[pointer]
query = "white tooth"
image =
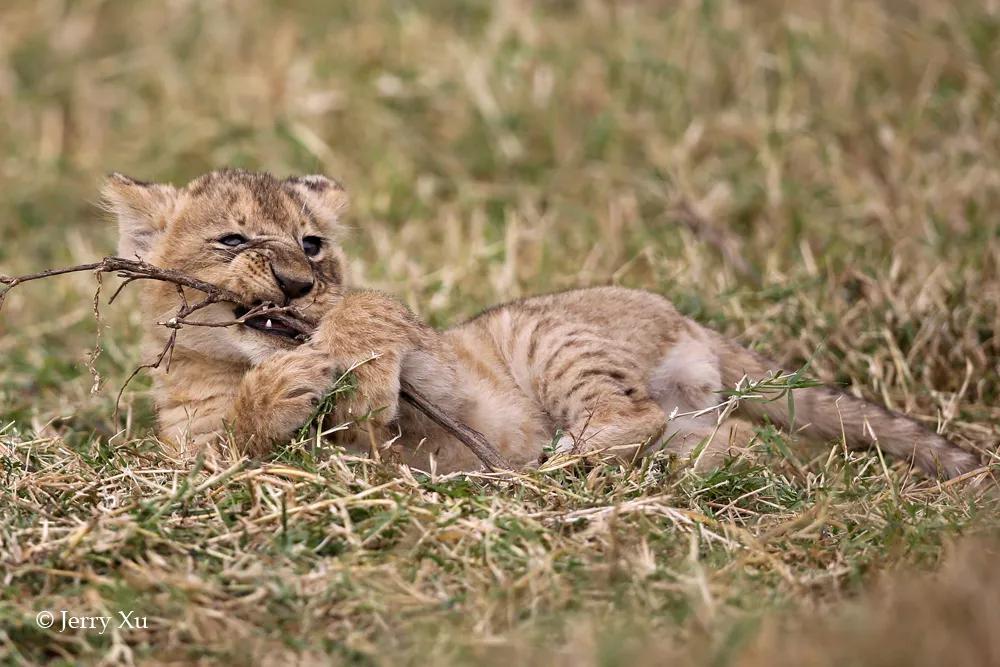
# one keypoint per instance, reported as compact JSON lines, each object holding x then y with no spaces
{"x":267,"y":325}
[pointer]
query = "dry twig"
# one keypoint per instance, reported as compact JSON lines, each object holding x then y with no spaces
{"x":132,"y":270}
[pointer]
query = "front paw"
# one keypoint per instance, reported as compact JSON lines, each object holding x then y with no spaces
{"x":277,"y":397}
{"x":369,"y":333}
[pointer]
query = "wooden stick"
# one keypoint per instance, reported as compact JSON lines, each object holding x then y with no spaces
{"x":468,"y":436}
{"x":132,"y":270}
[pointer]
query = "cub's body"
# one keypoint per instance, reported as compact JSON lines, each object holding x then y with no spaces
{"x":604,"y":368}
{"x":589,"y":369}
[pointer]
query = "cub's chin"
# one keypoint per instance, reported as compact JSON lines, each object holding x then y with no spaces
{"x":257,"y":346}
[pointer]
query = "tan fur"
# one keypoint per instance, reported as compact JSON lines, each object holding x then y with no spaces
{"x":594,"y":369}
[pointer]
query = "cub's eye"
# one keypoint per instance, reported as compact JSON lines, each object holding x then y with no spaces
{"x":311,"y":245}
{"x":233,"y":240}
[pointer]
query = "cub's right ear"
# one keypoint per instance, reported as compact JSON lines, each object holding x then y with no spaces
{"x":142,"y":210}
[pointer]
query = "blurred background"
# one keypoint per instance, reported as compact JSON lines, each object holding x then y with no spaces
{"x":818,"y":179}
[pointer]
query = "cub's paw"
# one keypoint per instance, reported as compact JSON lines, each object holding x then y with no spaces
{"x":369,"y":333}
{"x":279,"y":396}
{"x":373,"y":393}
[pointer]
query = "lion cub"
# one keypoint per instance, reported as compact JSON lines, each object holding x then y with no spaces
{"x":600,"y":368}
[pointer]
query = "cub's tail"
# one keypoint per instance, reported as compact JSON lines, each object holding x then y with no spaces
{"x":824,"y":414}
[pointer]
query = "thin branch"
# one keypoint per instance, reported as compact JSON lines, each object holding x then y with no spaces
{"x":132,"y":270}
{"x":468,"y":436}
{"x":125,"y":283}
{"x":92,"y":360}
{"x":168,"y":349}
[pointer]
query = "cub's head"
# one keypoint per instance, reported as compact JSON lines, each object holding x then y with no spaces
{"x":267,"y":240}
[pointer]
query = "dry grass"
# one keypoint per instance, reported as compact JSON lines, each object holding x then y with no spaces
{"x":817,"y":179}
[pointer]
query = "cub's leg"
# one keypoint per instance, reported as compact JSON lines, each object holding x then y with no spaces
{"x":615,"y":424}
{"x":686,"y":383}
{"x":634,"y":424}
{"x":603,"y":401}
{"x":370,"y":333}
{"x":596,"y":395}
{"x":367,"y":333}
{"x":279,"y":396}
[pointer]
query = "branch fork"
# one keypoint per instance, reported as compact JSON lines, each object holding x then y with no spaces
{"x":131,"y":270}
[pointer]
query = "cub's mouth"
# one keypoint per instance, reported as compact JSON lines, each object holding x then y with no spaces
{"x":280,"y":325}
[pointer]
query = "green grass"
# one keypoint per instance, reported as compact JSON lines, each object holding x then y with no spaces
{"x":817,"y":180}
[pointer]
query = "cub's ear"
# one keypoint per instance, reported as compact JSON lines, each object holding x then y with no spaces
{"x":142,"y":210}
{"x":325,"y":197}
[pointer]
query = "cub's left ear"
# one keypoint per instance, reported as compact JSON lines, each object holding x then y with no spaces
{"x":325,"y":197}
{"x":142,"y":210}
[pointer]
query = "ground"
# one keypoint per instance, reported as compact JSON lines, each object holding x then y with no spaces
{"x":818,"y":180}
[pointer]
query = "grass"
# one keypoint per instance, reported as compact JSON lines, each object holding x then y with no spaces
{"x":817,"y":180}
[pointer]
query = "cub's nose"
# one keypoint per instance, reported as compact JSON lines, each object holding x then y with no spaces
{"x":292,"y":285}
